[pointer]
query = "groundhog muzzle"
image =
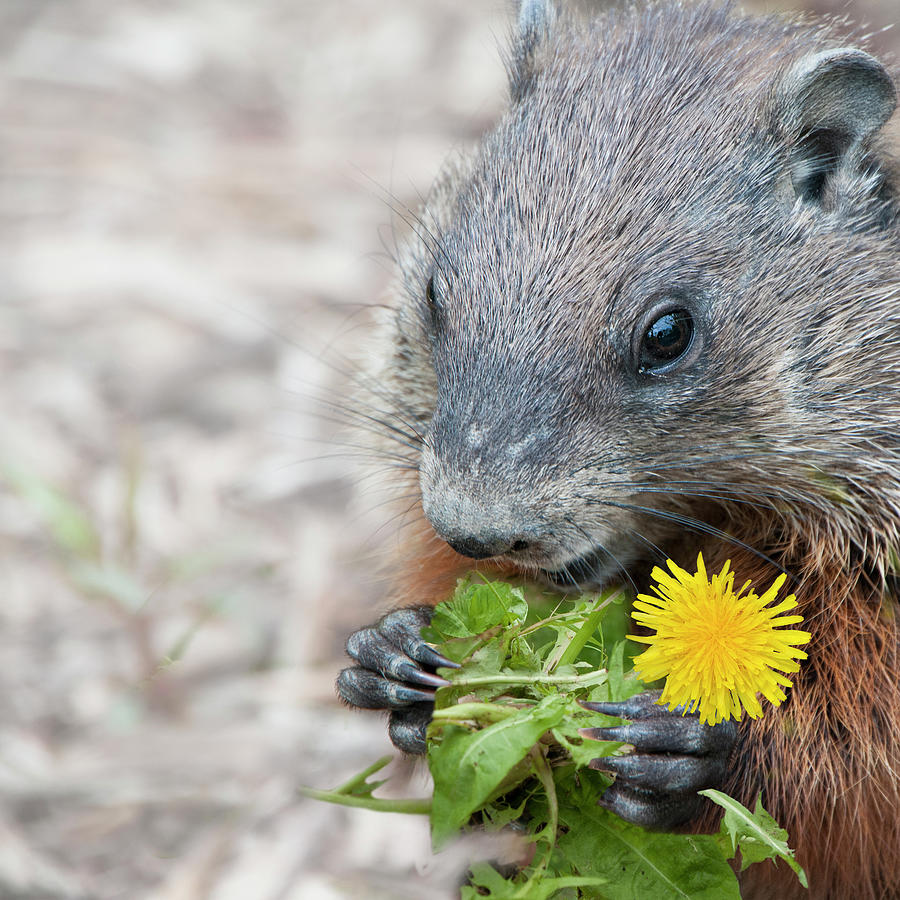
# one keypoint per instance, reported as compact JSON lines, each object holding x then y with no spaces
{"x":658,"y":311}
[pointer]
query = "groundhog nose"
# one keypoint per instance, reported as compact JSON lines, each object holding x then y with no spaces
{"x":485,"y":547}
{"x":477,"y":523}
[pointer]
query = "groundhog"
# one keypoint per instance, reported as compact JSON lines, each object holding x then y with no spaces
{"x":658,"y":311}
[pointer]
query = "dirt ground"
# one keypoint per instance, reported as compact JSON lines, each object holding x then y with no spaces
{"x":192,"y":209}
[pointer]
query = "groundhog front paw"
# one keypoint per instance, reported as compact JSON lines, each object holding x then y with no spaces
{"x":674,"y":756}
{"x":395,"y":672}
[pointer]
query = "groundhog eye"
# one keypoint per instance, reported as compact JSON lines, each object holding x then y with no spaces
{"x":666,"y":339}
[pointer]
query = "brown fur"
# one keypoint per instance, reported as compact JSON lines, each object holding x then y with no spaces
{"x":643,"y":151}
{"x":826,"y":762}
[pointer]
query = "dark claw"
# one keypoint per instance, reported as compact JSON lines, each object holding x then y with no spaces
{"x":428,"y":656}
{"x":660,"y":812}
{"x":663,"y":773}
{"x":416,"y":675}
{"x":403,"y":628}
{"x":670,"y":733}
{"x":675,"y":755}
{"x":369,"y":690}
{"x":391,"y":674}
{"x":662,"y":735}
{"x":639,"y":706}
{"x":375,"y":652}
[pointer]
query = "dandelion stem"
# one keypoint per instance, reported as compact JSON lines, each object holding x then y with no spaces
{"x":588,"y":679}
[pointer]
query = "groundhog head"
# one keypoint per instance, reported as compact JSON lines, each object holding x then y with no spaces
{"x":661,"y":295}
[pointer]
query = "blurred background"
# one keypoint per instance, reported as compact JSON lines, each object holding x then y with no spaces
{"x":192,"y":216}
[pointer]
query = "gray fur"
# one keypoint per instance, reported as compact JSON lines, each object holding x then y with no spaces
{"x":841,"y":88}
{"x":831,"y":102}
{"x":535,"y":25}
{"x":636,"y":169}
{"x":536,"y":17}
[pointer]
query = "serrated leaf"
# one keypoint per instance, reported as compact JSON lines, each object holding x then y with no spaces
{"x":455,"y":649}
{"x":756,"y":834}
{"x":467,"y":766}
{"x":486,"y":881}
{"x":486,"y":660}
{"x":499,"y":816}
{"x":637,"y":863}
{"x":476,"y":608}
{"x":583,"y":750}
{"x":358,"y":792}
{"x":521,"y":655}
{"x":484,"y":877}
{"x":646,"y":864}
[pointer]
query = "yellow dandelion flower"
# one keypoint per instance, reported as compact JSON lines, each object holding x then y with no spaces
{"x":716,"y":647}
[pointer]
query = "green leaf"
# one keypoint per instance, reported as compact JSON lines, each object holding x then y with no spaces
{"x":486,"y":660}
{"x":756,"y":834}
{"x":645,"y":864}
{"x":468,"y":765}
{"x":358,"y":792}
{"x":618,"y":688}
{"x":500,"y":815}
{"x":476,"y":608}
{"x":482,"y":714}
{"x":360,"y":785}
{"x":638,"y":863}
{"x":582,"y":751}
{"x":456,"y":649}
{"x":487,"y":878}
{"x":521,"y":655}
{"x":585,"y":632}
{"x":486,"y":881}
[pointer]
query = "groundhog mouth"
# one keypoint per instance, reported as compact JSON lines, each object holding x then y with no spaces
{"x":585,"y":572}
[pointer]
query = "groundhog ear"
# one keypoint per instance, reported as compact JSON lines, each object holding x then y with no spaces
{"x":536,"y":18}
{"x":829,"y":103}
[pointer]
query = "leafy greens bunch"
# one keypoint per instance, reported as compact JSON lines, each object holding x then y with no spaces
{"x":504,"y":748}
